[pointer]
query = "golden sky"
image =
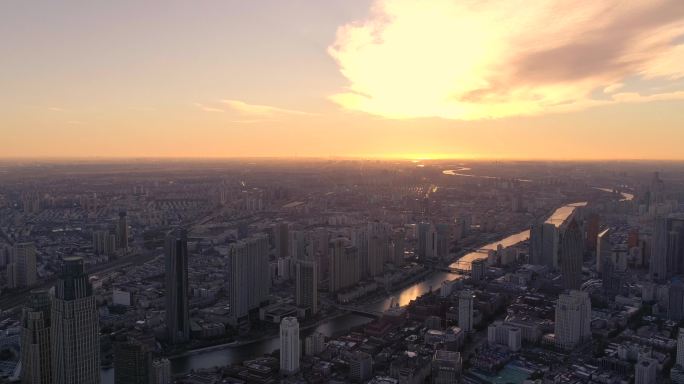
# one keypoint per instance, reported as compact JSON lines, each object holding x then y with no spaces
{"x":375,"y":78}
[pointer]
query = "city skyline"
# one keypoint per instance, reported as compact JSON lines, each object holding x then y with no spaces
{"x":370,"y":79}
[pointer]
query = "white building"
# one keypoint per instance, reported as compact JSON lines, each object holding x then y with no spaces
{"x":573,"y":318}
{"x":465,"y":311}
{"x":500,"y":333}
{"x":289,"y":346}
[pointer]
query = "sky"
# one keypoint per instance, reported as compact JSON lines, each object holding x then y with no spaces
{"x":505,"y":79}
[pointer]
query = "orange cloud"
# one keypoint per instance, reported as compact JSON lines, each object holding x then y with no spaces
{"x":475,"y":60}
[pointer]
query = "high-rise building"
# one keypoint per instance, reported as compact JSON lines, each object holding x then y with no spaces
{"x":570,"y":255}
{"x":344,"y":265}
{"x":248,"y":281}
{"x":298,"y":243}
{"x":360,"y":367}
{"x":446,"y":367}
{"x":667,"y":253}
{"x":35,"y":340}
{"x":573,"y":319}
{"x":592,"y":225}
{"x":104,"y":243}
{"x":544,"y":239}
{"x":377,"y":247}
{"x":680,"y":347}
{"x":122,"y":232}
{"x":281,"y":237}
{"x":440,"y":244}
{"x":424,"y":230}
{"x":675,"y":301}
{"x":289,"y":346}
{"x":604,"y":248}
{"x":21,"y":271}
{"x":465,"y":310}
{"x":398,"y":247}
{"x":314,"y":344}
{"x":132,"y":363}
{"x":161,"y":372}
{"x":478,"y":269}
{"x":177,"y":309}
{"x":645,"y":371}
{"x":74,"y":323}
{"x":306,"y":290}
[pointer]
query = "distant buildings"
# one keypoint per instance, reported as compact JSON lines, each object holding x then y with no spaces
{"x":247,"y":276}
{"x":122,"y":232}
{"x":573,"y":318}
{"x":177,"y":310}
{"x":75,"y":327}
{"x":289,"y":346}
{"x":35,"y":340}
{"x":465,"y":310}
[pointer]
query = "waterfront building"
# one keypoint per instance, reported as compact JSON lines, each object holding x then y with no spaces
{"x":289,"y":346}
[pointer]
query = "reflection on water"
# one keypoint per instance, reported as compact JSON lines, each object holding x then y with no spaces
{"x":625,"y":196}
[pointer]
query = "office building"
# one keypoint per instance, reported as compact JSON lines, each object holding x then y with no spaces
{"x":281,"y":238}
{"x":377,"y":247}
{"x":604,"y":249}
{"x":306,"y":290}
{"x":440,"y":243}
{"x":248,"y":284}
{"x":289,"y":346}
{"x":177,"y":309}
{"x":132,"y":363}
{"x":424,"y":233}
{"x":74,"y":323}
{"x":35,"y":340}
{"x":573,"y":319}
{"x":465,"y":310}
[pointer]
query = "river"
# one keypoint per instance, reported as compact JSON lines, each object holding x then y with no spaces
{"x":227,"y":355}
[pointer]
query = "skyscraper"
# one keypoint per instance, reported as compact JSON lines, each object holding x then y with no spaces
{"x":667,"y":253}
{"x":344,"y":265}
{"x":377,"y":246}
{"x":248,"y":281}
{"x":122,"y":232}
{"x":75,"y":327}
{"x":570,"y":255}
{"x":177,"y":310}
{"x":680,"y":347}
{"x":289,"y":346}
{"x":645,"y":371}
{"x":307,"y":285}
{"x":603,"y":248}
{"x":441,"y":241}
{"x":478,"y":269}
{"x":544,"y":239}
{"x":424,"y":230}
{"x":573,"y":318}
{"x":465,"y":310}
{"x":35,"y":340}
{"x":21,"y":272}
{"x":281,"y":237}
{"x":132,"y":363}
{"x":161,"y":372}
{"x":398,"y":247}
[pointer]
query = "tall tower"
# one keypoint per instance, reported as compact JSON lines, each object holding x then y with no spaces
{"x":571,"y":253}
{"x":122,"y":232}
{"x":573,"y":318}
{"x":465,"y":310}
{"x":177,"y":310}
{"x":35,"y":340}
{"x":248,"y":281}
{"x":307,"y":285}
{"x":75,"y":327}
{"x":289,"y":346}
{"x":132,"y":363}
{"x":345,"y":269}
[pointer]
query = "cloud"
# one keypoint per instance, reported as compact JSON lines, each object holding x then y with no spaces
{"x":496,"y":58}
{"x":260,"y":110}
{"x":206,"y":108}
